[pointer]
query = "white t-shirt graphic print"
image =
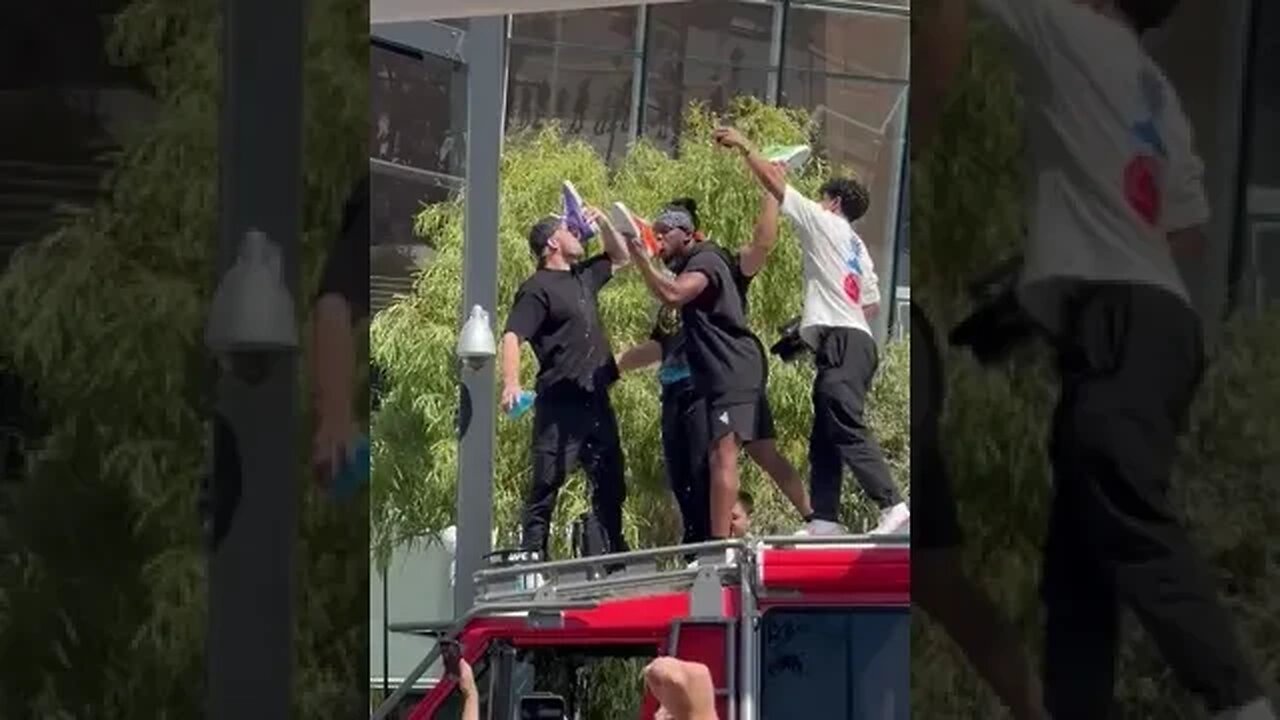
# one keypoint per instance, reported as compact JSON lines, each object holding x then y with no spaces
{"x":1114,"y":167}
{"x":839,"y":275}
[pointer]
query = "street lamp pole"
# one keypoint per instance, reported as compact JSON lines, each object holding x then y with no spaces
{"x":249,"y":646}
{"x":485,"y":50}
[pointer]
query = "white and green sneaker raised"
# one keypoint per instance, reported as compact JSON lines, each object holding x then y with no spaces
{"x":793,"y":156}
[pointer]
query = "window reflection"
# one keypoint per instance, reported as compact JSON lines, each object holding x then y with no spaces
{"x":707,"y":52}
{"x":672,"y":85}
{"x":412,"y":118}
{"x":589,"y":92}
{"x":726,"y":33}
{"x":835,"y":664}
{"x":1259,"y":264}
{"x":395,"y":203}
{"x":611,"y":29}
{"x":847,"y":42}
{"x":1263,"y":155}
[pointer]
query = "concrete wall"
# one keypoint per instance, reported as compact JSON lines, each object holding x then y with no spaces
{"x":419,"y":591}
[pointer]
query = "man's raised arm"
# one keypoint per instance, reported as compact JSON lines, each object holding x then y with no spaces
{"x":752,"y":259}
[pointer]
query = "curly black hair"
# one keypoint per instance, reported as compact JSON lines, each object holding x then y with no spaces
{"x":853,"y":196}
{"x":688,"y":205}
{"x":1146,"y":15}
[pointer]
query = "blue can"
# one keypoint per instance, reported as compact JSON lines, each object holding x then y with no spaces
{"x":355,"y":471}
{"x":522,"y":404}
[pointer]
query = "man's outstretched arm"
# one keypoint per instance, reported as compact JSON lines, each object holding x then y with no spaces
{"x":614,"y":245}
{"x":640,"y":356}
{"x":527,"y":313}
{"x":334,"y":358}
{"x":342,"y":301}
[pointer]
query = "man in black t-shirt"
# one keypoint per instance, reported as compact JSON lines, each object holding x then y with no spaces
{"x":728,"y":364}
{"x":556,"y":312}
{"x":685,"y":433}
{"x":342,"y":302}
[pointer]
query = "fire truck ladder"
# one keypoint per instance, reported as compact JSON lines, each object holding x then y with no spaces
{"x":541,"y":592}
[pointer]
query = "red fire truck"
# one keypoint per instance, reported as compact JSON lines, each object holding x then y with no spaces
{"x":814,"y":628}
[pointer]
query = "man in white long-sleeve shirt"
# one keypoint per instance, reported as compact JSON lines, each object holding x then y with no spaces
{"x":841,"y":291}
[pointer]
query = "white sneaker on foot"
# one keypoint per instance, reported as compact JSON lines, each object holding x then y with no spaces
{"x":730,"y":556}
{"x":893,"y":519}
{"x":1259,"y":709}
{"x":816,"y":527}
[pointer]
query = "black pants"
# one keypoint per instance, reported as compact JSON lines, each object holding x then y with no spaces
{"x":569,"y":431}
{"x":846,"y":360}
{"x":1130,"y":359}
{"x":933,"y":508}
{"x":686,"y":452}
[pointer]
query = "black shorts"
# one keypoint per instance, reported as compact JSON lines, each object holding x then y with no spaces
{"x":750,"y":421}
{"x":933,"y":507}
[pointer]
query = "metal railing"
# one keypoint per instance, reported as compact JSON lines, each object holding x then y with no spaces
{"x":583,"y":583}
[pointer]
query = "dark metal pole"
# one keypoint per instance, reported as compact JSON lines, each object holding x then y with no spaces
{"x":485,"y":50}
{"x":386,"y":634}
{"x":250,"y":649}
{"x":903,"y":233}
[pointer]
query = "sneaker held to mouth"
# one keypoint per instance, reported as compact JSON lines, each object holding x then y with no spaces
{"x":628,"y":223}
{"x":575,"y":213}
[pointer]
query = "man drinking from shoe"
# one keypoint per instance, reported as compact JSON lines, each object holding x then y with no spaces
{"x":841,"y":291}
{"x":727,"y":363}
{"x":556,"y":312}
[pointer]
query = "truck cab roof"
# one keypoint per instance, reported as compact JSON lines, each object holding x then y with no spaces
{"x":774,"y":619}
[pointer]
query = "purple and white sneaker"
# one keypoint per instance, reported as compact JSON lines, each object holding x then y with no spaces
{"x":574,"y":217}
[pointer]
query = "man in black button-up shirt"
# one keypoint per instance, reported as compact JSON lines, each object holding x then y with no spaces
{"x":556,"y":312}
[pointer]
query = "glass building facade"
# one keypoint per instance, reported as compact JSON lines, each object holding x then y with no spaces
{"x":1255,"y":266}
{"x":612,"y":75}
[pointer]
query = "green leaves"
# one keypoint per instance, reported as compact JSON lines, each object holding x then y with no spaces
{"x":414,"y":446}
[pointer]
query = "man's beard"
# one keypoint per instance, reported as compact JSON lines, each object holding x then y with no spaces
{"x":675,"y":263}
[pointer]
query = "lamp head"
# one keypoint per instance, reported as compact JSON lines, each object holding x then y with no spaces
{"x":476,"y":344}
{"x":251,"y":320}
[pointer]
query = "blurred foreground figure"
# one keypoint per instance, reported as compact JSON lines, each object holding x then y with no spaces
{"x":683,"y":689}
{"x":939,"y":585}
{"x":342,"y":302}
{"x":1118,"y":192}
{"x":466,"y":680}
